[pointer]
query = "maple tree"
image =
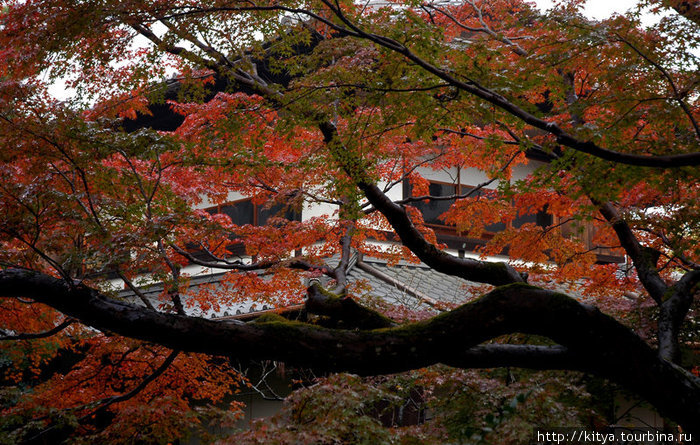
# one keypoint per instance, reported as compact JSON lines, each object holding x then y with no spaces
{"x":295,"y":103}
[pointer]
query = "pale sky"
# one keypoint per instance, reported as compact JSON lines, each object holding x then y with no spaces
{"x":601,"y":9}
{"x":595,"y":9}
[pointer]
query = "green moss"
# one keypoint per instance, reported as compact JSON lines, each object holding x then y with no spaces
{"x":279,"y":323}
{"x":442,"y":323}
{"x":344,"y":312}
{"x":375,"y":318}
{"x":270,"y":318}
{"x":668,"y":293}
{"x":280,"y":327}
{"x":328,"y":294}
{"x":452,"y":320}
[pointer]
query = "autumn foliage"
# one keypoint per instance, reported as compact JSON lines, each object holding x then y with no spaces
{"x":331,"y":109}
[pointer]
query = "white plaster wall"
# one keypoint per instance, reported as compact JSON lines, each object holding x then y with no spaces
{"x":316,"y":209}
{"x":473,"y":176}
{"x":232,"y":196}
{"x":468,"y":176}
{"x":521,"y":171}
{"x":442,"y":175}
{"x":394,"y":193}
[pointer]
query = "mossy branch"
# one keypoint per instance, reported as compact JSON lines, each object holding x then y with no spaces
{"x":344,"y":312}
{"x":594,"y":342}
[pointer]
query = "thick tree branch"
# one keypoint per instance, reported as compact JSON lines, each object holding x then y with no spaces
{"x":673,"y":301}
{"x":521,"y":356}
{"x":602,"y":345}
{"x":642,"y":257}
{"x":343,"y":311}
{"x":673,"y":311}
{"x":490,"y":96}
{"x":467,"y":268}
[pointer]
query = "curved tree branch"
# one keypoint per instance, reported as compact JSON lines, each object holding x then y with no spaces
{"x":642,"y":257}
{"x":223,"y":263}
{"x":137,"y":389}
{"x":673,"y":300}
{"x":32,"y":336}
{"x":353,"y":30}
{"x":343,"y":310}
{"x":492,"y":97}
{"x":601,"y":344}
{"x":58,"y":433}
{"x":673,"y":311}
{"x":467,"y":268}
{"x":521,"y":356}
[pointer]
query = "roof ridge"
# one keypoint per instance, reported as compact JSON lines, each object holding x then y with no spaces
{"x":396,"y":283}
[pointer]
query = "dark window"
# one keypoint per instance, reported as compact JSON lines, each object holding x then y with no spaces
{"x":241,"y":212}
{"x":245,"y":212}
{"x":541,"y":218}
{"x":278,"y":210}
{"x":433,"y":210}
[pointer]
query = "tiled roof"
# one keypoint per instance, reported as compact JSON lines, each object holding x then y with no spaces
{"x":415,"y":286}
{"x":412,"y":285}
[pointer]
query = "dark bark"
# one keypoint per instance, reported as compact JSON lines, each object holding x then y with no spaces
{"x":341,"y":270}
{"x":343,"y":311}
{"x":467,"y":268}
{"x":497,"y":273}
{"x":673,"y":301}
{"x":520,"y":356}
{"x":672,"y":313}
{"x":492,"y":97}
{"x":593,"y":342}
{"x":642,"y":258}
